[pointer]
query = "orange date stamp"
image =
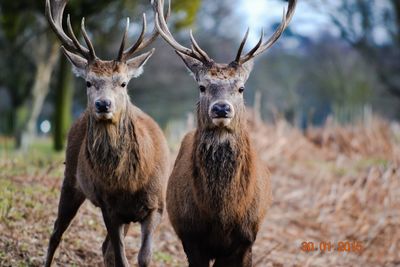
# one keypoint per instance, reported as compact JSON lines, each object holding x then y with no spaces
{"x":328,"y":246}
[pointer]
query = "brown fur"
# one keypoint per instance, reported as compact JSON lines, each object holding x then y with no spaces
{"x":117,"y":156}
{"x":111,"y":159}
{"x":218,"y":192}
{"x":120,"y":164}
{"x":106,"y":68}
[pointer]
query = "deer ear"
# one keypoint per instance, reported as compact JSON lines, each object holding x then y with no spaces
{"x":136,"y":64}
{"x":79,"y":64}
{"x":194,"y":65}
{"x":246,"y":69}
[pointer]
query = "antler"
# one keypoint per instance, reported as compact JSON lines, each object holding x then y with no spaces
{"x":141,"y":42}
{"x":199,"y":54}
{"x":195,"y":52}
{"x":260,"y":46}
{"x":54,"y":14}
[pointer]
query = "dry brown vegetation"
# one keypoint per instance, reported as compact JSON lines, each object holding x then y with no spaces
{"x":331,"y":184}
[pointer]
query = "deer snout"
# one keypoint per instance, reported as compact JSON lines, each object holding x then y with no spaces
{"x":221,"y":110}
{"x":221,"y":113}
{"x":103,"y":106}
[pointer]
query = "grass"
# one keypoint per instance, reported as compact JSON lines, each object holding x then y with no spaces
{"x":29,"y":191}
{"x":29,"y":181}
{"x":335,"y":184}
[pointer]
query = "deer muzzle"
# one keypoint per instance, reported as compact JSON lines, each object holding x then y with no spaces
{"x":221,"y":113}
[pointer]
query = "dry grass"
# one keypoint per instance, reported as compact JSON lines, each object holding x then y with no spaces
{"x":336,"y":184}
{"x":332,"y":184}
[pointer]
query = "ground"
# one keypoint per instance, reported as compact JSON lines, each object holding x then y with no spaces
{"x":331,"y":185}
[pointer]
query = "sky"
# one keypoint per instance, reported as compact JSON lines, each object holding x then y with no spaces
{"x":307,"y":21}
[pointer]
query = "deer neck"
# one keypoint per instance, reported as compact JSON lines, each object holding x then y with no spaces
{"x":222,"y":167}
{"x":112,"y":148}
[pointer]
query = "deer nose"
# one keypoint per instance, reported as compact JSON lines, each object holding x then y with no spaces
{"x":103,"y":106}
{"x":221,"y":110}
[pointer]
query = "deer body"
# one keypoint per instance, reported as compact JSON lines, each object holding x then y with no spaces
{"x":219,"y":190}
{"x":118,"y":164}
{"x":217,"y":196}
{"x":117,"y":156}
{"x":119,"y":171}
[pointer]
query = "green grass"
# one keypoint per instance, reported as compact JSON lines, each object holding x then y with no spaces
{"x":165,"y":258}
{"x":39,"y":158}
{"x":29,"y":191}
{"x":22,"y":179}
{"x":20,"y":202}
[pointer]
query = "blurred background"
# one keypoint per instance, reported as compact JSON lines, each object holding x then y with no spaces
{"x":338,"y":58}
{"x":324,"y":110}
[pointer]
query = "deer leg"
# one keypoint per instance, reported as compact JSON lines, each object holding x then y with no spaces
{"x":194,"y":255}
{"x":241,"y":258}
{"x":116,"y":236}
{"x":148,"y":227}
{"x":108,"y":252}
{"x":70,"y":201}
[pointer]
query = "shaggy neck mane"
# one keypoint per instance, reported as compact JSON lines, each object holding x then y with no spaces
{"x":222,"y":163}
{"x":112,"y":148}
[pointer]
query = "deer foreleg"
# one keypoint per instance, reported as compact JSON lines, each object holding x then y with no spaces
{"x":115,"y":230}
{"x":148,"y":227}
{"x":70,"y":201}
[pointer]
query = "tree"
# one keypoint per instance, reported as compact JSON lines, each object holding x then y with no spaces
{"x":24,"y":30}
{"x":372,"y":28}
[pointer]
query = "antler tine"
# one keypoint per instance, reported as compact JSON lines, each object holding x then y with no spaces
{"x":54,"y":14}
{"x":124,"y":37}
{"x":196,"y":52}
{"x":242,"y":44}
{"x":198,"y":49}
{"x":143,"y":42}
{"x":73,"y":36}
{"x":92,"y":54}
{"x":154,"y":34}
{"x":260,"y":48}
{"x":164,"y":32}
{"x":159,"y":6}
{"x":134,"y":48}
{"x":250,"y":54}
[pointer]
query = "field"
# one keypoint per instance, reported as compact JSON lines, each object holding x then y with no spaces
{"x":333,"y":184}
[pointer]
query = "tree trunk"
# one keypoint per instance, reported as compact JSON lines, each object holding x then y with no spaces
{"x":396,"y":6}
{"x":63,"y":104}
{"x":19,"y":118}
{"x":40,"y":89}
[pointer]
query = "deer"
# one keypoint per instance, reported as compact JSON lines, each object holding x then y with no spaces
{"x":219,"y":190}
{"x":117,"y":156}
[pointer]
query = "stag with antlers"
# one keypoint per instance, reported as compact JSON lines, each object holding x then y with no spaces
{"x":219,"y":190}
{"x":117,"y":156}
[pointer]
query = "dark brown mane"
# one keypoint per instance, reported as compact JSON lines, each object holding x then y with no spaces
{"x":222,"y":167}
{"x":112,"y":149}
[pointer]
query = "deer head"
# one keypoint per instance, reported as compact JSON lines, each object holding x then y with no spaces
{"x":106,"y":80}
{"x":221,"y":86}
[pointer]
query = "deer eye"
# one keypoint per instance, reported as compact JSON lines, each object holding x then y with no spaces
{"x":202,"y":88}
{"x":88,"y":84}
{"x":241,"y":90}
{"x":123,"y":85}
